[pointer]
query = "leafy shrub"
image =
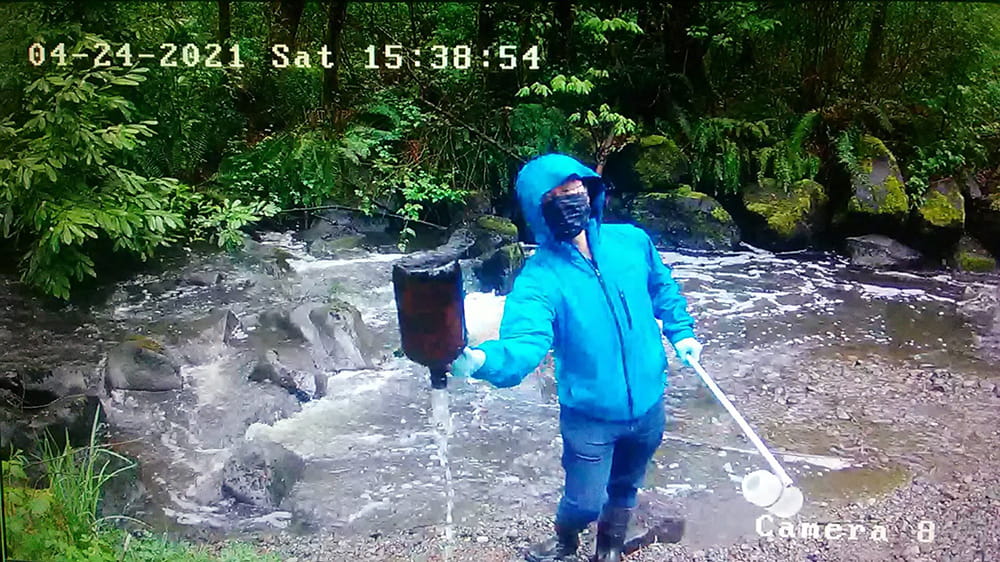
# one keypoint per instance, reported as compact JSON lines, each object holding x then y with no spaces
{"x":60,"y":520}
{"x":61,"y":183}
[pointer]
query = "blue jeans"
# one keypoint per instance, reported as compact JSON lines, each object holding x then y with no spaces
{"x":605,"y":462}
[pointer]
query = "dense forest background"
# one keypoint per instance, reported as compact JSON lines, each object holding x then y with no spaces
{"x":102,"y":164}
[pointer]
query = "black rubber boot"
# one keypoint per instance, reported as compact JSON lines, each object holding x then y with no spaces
{"x":560,"y":548}
{"x":611,"y":530}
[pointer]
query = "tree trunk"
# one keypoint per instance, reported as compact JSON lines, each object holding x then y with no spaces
{"x":486,"y":25}
{"x":873,"y":51}
{"x":336,"y":17}
{"x":560,"y":51}
{"x":286,"y":25}
{"x":685,"y":55}
{"x":225,"y":29}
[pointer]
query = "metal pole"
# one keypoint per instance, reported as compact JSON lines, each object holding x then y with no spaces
{"x":747,"y":430}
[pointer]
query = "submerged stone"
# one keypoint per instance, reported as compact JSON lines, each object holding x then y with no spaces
{"x":261,"y":473}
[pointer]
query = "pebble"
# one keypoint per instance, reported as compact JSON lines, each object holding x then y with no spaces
{"x":842,"y":414}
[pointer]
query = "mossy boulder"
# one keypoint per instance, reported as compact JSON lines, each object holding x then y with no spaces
{"x":683,"y":218}
{"x":781,"y":219}
{"x":338,"y":247}
{"x":944,"y":206}
{"x":141,"y":363}
{"x":983,"y":206}
{"x":655,"y":163}
{"x":660,"y":163}
{"x":970,"y":255}
{"x":482,"y":237}
{"x":498,"y":271}
{"x":878,"y":193}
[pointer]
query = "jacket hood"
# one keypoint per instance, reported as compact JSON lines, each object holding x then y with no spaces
{"x":544,"y":173}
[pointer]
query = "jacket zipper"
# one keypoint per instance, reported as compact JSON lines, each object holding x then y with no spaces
{"x":618,"y":327}
{"x":625,"y":306}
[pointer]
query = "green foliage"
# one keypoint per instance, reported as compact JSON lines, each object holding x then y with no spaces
{"x":62,"y":186}
{"x":537,"y":128}
{"x":788,"y":161}
{"x":748,"y":90}
{"x":722,"y":151}
{"x":60,"y":520}
{"x":66,"y":193}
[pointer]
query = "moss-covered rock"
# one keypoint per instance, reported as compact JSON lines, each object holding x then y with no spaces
{"x":971,"y":256}
{"x":940,"y":220}
{"x":878,"y":192}
{"x":660,"y":163}
{"x":482,"y":237}
{"x":341,"y":247}
{"x":944,"y":206}
{"x":655,"y":163}
{"x":983,"y":209}
{"x":785,"y":220}
{"x":498,"y":271}
{"x":683,"y":218}
{"x":499,"y":225}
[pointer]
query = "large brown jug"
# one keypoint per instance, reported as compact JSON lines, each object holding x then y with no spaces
{"x":430,"y":303}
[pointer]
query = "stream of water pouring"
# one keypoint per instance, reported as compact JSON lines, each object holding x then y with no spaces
{"x":441,"y":420}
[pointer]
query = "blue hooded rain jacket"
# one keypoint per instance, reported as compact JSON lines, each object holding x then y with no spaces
{"x":600,"y":318}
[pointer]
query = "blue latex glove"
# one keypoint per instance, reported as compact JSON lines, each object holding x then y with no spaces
{"x":688,"y":351}
{"x":466,"y":364}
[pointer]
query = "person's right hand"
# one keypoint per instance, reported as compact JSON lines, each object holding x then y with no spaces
{"x":468,"y":362}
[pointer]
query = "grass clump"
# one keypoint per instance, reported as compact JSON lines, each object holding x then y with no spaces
{"x":57,"y":517}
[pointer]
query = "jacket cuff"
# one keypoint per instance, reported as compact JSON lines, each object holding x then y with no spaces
{"x":673,"y":337}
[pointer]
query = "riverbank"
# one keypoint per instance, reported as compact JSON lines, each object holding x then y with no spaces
{"x":925,"y":488}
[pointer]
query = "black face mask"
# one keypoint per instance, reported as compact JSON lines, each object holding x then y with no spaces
{"x":566,"y":215}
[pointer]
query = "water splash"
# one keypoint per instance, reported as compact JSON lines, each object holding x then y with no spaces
{"x":441,"y":422}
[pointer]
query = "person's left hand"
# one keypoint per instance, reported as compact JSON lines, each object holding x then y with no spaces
{"x":688,"y":351}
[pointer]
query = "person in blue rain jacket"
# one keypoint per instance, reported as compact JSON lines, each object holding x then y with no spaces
{"x":592,"y":293}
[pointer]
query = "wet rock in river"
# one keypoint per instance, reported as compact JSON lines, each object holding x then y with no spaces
{"x":73,"y":414}
{"x":875,"y":250}
{"x":341,"y":335}
{"x":341,"y":247}
{"x":981,"y":305}
{"x":261,"y":473}
{"x":292,"y":370}
{"x":140,"y":363}
{"x":481,"y":238}
{"x":202,"y":278}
